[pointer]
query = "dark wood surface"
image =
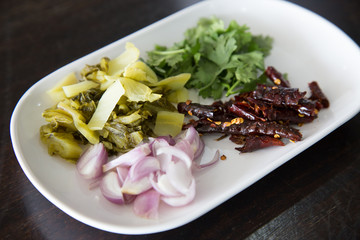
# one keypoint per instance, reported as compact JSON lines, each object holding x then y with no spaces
{"x":316,"y":195}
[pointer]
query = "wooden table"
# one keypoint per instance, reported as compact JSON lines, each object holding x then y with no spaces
{"x":316,"y":195}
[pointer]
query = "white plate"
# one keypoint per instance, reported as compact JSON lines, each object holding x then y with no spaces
{"x":306,"y":46}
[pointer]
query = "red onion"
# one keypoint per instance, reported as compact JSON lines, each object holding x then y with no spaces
{"x":122,"y":173}
{"x":175,"y":152}
{"x":186,"y":147}
{"x":158,"y":170}
{"x":192,"y":136}
{"x":171,"y":141}
{"x":214,"y":160}
{"x":157,"y":143}
{"x":179,"y":176}
{"x":136,"y":187}
{"x":160,"y":182}
{"x":110,"y":187}
{"x":143,"y":168}
{"x":91,"y":161}
{"x":129,"y":158}
{"x":183,"y":199}
{"x":146,"y":204}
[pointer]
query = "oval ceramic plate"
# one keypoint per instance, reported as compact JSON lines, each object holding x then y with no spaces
{"x":306,"y":46}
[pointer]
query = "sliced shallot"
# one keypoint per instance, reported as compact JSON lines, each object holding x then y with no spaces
{"x":122,"y":173}
{"x":179,"y":176}
{"x":214,"y":160}
{"x":160,"y":182}
{"x":175,"y":152}
{"x":143,"y":167}
{"x":129,"y":158}
{"x":159,"y":170}
{"x":192,"y":136}
{"x":183,"y":199}
{"x":146,"y":204}
{"x":91,"y":161}
{"x":186,"y":147}
{"x":136,"y":187}
{"x":110,"y":187}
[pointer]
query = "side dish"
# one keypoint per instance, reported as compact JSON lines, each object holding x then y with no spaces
{"x":117,"y":102}
{"x":122,"y":121}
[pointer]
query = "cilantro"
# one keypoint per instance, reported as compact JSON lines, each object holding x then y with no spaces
{"x":220,"y":59}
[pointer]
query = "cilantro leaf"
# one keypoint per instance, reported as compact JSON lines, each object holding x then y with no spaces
{"x":219,"y":59}
{"x":220,"y":50}
{"x":161,"y":54}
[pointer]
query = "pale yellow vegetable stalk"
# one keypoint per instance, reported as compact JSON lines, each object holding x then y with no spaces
{"x":174,"y":82}
{"x":106,"y":105}
{"x":129,"y":56}
{"x":75,"y":89}
{"x":79,"y":123}
{"x":128,"y":119}
{"x":168,"y":123}
{"x":138,"y":92}
{"x":180,"y":95}
{"x":109,"y":80}
{"x":57,"y":93}
{"x":141,"y":72}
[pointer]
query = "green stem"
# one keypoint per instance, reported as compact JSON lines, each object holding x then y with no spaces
{"x":169,"y":52}
{"x":230,"y":91}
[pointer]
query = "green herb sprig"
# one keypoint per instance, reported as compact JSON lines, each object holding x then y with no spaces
{"x":220,"y":59}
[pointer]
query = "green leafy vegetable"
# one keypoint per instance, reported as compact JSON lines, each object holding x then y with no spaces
{"x":218,"y":58}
